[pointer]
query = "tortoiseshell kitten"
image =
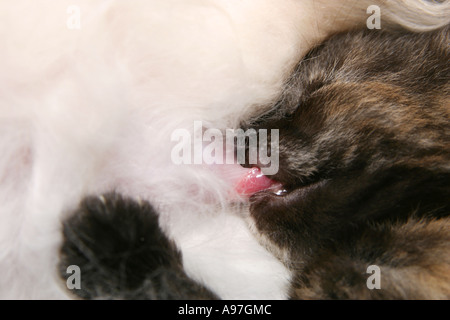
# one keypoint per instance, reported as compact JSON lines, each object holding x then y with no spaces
{"x":364,"y":151}
{"x":365,"y":158}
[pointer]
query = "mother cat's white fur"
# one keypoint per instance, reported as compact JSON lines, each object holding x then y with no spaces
{"x":90,"y":110}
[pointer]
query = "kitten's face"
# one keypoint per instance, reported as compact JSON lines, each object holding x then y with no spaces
{"x":355,"y":142}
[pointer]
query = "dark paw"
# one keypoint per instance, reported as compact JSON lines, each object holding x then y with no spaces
{"x":122,"y":253}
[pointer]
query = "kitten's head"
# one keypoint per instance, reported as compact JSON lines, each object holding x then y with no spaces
{"x":363,"y":135}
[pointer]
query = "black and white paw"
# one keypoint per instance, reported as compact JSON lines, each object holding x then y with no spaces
{"x":120,"y":251}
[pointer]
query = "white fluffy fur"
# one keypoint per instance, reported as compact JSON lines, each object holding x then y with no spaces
{"x":92,"y":110}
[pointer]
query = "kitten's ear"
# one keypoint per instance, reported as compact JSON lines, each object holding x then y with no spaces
{"x":119,"y":251}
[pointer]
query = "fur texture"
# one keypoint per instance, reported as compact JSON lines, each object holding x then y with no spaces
{"x":123,"y":253}
{"x":89,"y":111}
{"x":364,"y":159}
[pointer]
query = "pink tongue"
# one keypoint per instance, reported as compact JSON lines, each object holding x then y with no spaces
{"x":254,"y":181}
{"x":244,"y":181}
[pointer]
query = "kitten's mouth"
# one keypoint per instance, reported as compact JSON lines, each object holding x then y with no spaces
{"x":255,"y":181}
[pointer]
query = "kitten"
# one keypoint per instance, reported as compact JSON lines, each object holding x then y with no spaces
{"x":365,"y":161}
{"x":364,"y":151}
